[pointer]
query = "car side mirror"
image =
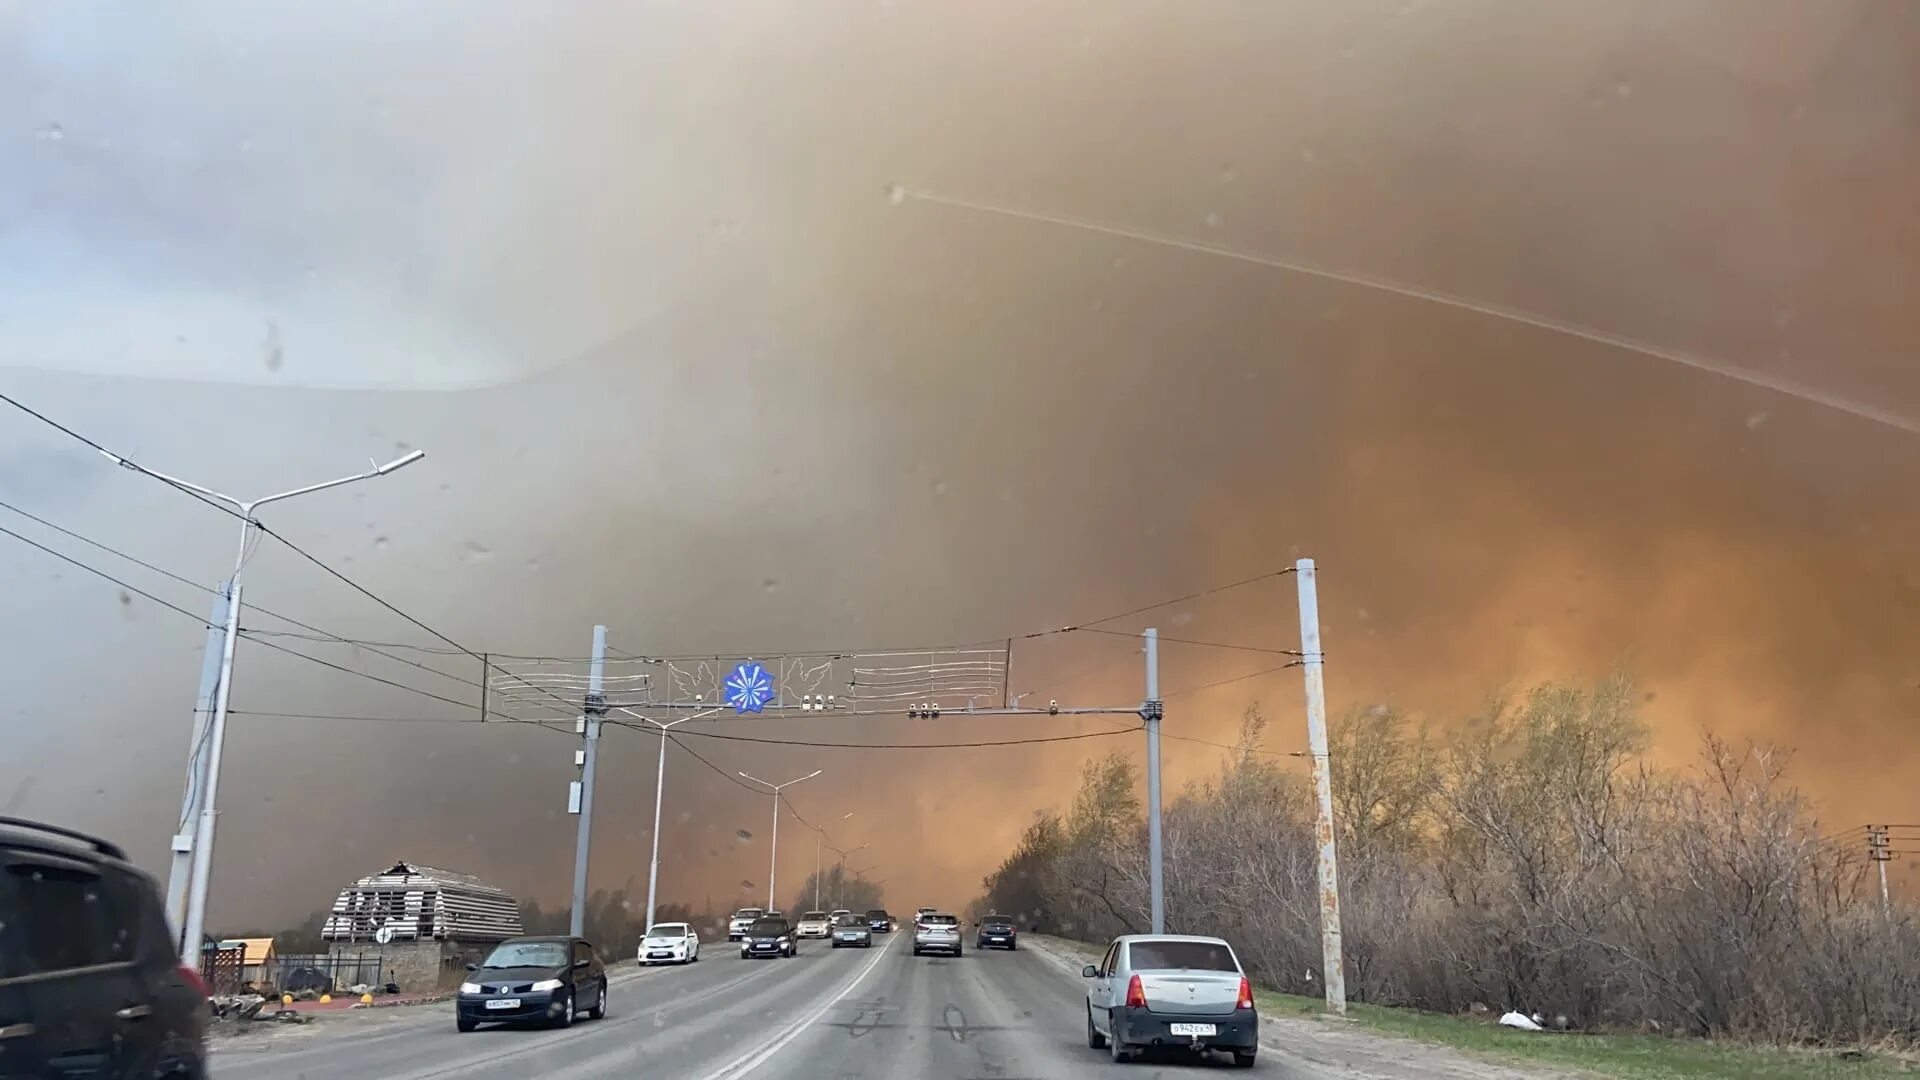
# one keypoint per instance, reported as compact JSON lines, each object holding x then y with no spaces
{"x":473,"y":967}
{"x":1089,"y":972}
{"x":582,"y":965}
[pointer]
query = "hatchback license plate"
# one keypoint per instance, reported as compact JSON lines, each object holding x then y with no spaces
{"x":1191,"y":1029}
{"x":504,"y":1003}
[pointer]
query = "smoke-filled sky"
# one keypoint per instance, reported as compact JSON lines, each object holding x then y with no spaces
{"x":760,"y":326}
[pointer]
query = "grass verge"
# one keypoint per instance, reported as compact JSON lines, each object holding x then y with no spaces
{"x":1629,"y":1057}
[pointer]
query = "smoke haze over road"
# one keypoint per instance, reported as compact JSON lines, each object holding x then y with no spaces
{"x":762,"y":328}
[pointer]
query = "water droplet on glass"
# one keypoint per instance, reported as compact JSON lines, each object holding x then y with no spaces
{"x":1228,"y":174}
{"x":380,"y":542}
{"x":473,"y":551}
{"x":1623,"y":89}
{"x":1756,"y":419}
{"x":1099,"y":303}
{"x":744,"y":835}
{"x":939,"y":487}
{"x":896,"y":194}
{"x":1213,"y":219}
{"x":53,"y":133}
{"x":770,"y":585}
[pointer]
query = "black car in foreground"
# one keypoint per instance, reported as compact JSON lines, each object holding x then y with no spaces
{"x":89,"y":976}
{"x":540,"y":980}
{"x":769,"y":937}
{"x":879,"y":922}
{"x":996,"y":931}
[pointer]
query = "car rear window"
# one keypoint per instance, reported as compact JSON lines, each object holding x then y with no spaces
{"x":998,"y":922}
{"x":939,"y":920}
{"x":851,"y":920}
{"x":1178,"y":955}
{"x":876,"y":914}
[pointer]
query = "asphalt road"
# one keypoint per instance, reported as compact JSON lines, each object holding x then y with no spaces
{"x":848,"y":1014}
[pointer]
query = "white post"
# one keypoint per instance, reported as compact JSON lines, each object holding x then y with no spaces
{"x":198,"y":849}
{"x":773,"y":855}
{"x":659,"y":787}
{"x":180,"y":869}
{"x":773,"y":850}
{"x":817,"y":834}
{"x":1150,"y":714}
{"x":592,"y":710}
{"x":1332,"y":967}
{"x":195,"y":929}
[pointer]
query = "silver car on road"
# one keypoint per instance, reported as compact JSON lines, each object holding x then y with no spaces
{"x":1174,"y":991}
{"x":936,"y":932}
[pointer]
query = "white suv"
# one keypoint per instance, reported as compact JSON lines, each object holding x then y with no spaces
{"x":737,"y":926}
{"x":936,"y":933}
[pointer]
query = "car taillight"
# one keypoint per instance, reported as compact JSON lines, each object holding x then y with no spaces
{"x":1246,"y":994}
{"x":194,"y":980}
{"x":1136,"y":994}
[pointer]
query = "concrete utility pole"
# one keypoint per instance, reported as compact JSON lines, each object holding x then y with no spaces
{"x":1333,"y":968}
{"x":1151,"y":712}
{"x":180,"y":869}
{"x":581,"y":801}
{"x":1879,"y":849}
{"x":773,"y":854}
{"x":203,"y":770}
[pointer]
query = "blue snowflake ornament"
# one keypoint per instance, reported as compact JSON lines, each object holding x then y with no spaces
{"x":749,"y":688}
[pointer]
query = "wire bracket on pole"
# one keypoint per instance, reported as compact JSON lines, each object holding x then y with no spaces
{"x":1153,"y":709}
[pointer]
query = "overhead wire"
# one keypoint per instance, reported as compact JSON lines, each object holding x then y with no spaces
{"x":317,"y":635}
{"x":263,"y":527}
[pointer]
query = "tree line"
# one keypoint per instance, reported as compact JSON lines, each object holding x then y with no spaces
{"x":1531,"y":858}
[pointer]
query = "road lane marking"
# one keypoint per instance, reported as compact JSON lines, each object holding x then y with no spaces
{"x":752,"y":1060}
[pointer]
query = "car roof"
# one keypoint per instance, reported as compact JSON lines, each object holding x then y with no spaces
{"x":57,"y":840}
{"x":1131,"y":939}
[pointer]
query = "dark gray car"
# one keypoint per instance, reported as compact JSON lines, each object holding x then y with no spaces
{"x":543,"y":980}
{"x":89,"y":976}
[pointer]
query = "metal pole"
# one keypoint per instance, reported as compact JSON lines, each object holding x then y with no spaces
{"x":817,"y":834}
{"x":659,"y":788}
{"x":1878,"y":851}
{"x":180,"y":871}
{"x":773,"y":849}
{"x":198,"y":850}
{"x":1333,"y":968}
{"x":195,"y":928}
{"x":594,"y":708}
{"x":1150,"y":714}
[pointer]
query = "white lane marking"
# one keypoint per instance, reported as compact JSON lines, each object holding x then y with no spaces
{"x":752,"y":1060}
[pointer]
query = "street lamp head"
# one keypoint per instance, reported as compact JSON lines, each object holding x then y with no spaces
{"x":812,"y":774}
{"x":400,"y":462}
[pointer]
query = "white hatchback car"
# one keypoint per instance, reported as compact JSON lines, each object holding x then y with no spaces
{"x":669,"y":943}
{"x":1171,"y":990}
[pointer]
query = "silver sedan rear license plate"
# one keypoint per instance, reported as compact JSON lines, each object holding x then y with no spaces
{"x":1191,"y":1029}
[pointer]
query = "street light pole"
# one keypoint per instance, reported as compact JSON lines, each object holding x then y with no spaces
{"x":840,"y":870}
{"x":819,"y":835}
{"x":196,"y":848}
{"x":659,"y":787}
{"x":773,"y":855}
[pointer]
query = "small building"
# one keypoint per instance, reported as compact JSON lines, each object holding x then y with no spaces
{"x":256,"y":959}
{"x":421,"y":926}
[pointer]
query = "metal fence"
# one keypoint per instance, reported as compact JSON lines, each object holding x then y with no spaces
{"x":323,"y":973}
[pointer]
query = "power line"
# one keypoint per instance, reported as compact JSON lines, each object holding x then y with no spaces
{"x":1183,"y":599}
{"x":1190,"y":641}
{"x":355,"y":717}
{"x":697,"y":756}
{"x":905,"y":746}
{"x":1235,"y":679}
{"x":486,"y":661}
{"x":359,"y":674}
{"x":103,"y":574}
{"x":317,"y":635}
{"x":1226,"y":746}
